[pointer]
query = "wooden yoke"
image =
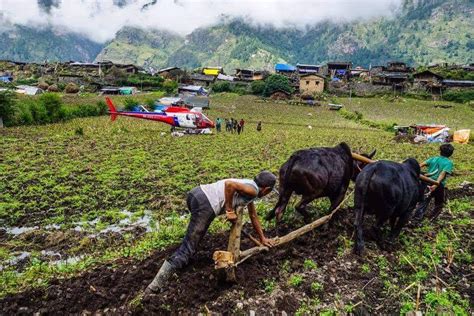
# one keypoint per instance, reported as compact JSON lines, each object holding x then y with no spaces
{"x":367,"y":160}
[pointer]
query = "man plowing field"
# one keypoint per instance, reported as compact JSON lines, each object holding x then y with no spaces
{"x":207,"y":201}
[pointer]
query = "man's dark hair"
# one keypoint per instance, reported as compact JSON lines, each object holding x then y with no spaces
{"x":446,"y":150}
{"x":265,"y":179}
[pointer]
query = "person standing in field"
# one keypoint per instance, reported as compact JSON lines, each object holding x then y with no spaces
{"x":239,"y":128}
{"x":259,"y":126}
{"x":218,"y":124}
{"x":207,"y":201}
{"x":439,"y":168}
{"x":231,"y":125}
{"x":242,"y":123}
{"x":234,"y":124}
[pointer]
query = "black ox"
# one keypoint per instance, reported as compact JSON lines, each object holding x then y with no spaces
{"x":389,"y":190}
{"x":314,"y":173}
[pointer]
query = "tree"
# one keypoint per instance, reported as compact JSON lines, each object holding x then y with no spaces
{"x":222,"y":86}
{"x":53,"y":105}
{"x":277,"y":82}
{"x":257,"y":87}
{"x":7,"y":107}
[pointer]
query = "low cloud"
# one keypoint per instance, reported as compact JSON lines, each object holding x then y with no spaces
{"x":101,"y":19}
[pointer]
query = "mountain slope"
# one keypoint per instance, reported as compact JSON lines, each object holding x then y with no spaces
{"x":423,"y":32}
{"x":37,"y":45}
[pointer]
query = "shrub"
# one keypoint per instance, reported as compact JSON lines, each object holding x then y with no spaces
{"x":130,"y":104}
{"x":53,"y":105}
{"x":24,"y":115}
{"x":102,"y":108}
{"x":277,"y":82}
{"x":7,"y":107}
{"x":460,"y":96}
{"x":38,"y":112}
{"x":71,"y":88}
{"x":222,"y":86}
{"x":257,"y":87}
{"x":150,"y":104}
{"x":170,"y":86}
{"x":61,"y":86}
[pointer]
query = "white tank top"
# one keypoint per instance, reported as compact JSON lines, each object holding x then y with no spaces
{"x":215,"y":193}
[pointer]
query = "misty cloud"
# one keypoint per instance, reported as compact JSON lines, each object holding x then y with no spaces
{"x":101,"y":19}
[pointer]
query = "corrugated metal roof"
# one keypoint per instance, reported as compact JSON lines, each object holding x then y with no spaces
{"x":458,"y":82}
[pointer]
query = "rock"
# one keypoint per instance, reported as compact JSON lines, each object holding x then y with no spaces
{"x":23,"y":309}
{"x":252,"y":313}
{"x":283,"y":313}
{"x":240,"y":305}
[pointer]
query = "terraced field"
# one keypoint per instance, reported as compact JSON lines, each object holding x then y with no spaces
{"x":89,"y":207}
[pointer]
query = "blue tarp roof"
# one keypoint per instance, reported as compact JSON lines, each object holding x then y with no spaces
{"x":284,"y":67}
{"x":5,"y":79}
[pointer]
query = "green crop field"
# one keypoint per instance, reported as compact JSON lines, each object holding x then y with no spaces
{"x":86,"y":192}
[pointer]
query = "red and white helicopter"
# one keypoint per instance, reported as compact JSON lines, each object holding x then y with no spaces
{"x":193,"y":121}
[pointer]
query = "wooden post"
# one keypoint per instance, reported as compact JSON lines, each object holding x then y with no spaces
{"x":234,"y":243}
{"x":367,"y":160}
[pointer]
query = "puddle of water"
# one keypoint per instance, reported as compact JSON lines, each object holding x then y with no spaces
{"x":124,"y":224}
{"x":70,"y":260}
{"x":15,"y":231}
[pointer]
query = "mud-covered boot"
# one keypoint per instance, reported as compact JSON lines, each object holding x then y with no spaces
{"x":160,"y":279}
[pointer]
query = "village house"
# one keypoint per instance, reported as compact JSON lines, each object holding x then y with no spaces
{"x":202,"y":80}
{"x":221,"y":77}
{"x":311,"y":83}
{"x":119,"y":90}
{"x":250,"y":75}
{"x":308,"y":69}
{"x":359,"y":72}
{"x":458,"y":83}
{"x":397,"y":66}
{"x":173,"y":73}
{"x":429,"y":81}
{"x":427,"y":77}
{"x":280,"y":95}
{"x":191,"y":89}
{"x":284,"y":69}
{"x":244,"y":74}
{"x":212,"y":71}
{"x":339,"y":69}
{"x":398,"y":80}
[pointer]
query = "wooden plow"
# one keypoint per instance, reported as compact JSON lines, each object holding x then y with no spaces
{"x":227,"y":261}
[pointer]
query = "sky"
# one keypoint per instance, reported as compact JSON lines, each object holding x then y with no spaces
{"x":99,"y":20}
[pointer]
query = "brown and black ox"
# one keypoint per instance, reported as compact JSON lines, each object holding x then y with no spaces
{"x":390,"y":191}
{"x":314,"y":173}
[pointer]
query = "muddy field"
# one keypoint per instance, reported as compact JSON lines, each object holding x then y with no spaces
{"x":117,"y":286}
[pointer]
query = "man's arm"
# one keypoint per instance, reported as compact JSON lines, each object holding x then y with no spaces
{"x":423,"y":164}
{"x":231,"y":187}
{"x":256,"y":225}
{"x":441,"y":177}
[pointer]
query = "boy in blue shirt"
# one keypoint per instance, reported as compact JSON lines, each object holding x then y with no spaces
{"x":438,"y":169}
